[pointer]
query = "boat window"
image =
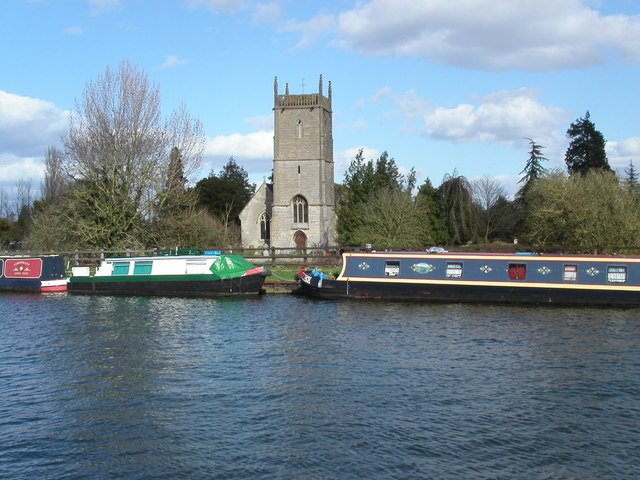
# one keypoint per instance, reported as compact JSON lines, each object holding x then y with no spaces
{"x":517,"y":271}
{"x":120,"y":268}
{"x":454,"y":269}
{"x":196,"y":267}
{"x":570,"y":273}
{"x":142,"y":267}
{"x":391,"y":269}
{"x":616,"y":274}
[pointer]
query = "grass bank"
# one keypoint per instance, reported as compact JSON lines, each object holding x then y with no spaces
{"x":282,"y":274}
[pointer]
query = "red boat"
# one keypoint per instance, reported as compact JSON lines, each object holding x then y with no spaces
{"x":44,"y":273}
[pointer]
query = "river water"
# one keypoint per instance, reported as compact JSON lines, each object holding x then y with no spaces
{"x":281,"y":387}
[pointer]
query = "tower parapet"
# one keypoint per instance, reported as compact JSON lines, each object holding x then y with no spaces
{"x":302,"y":100}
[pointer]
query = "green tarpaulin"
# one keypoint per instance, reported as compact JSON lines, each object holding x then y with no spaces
{"x":228,"y":266}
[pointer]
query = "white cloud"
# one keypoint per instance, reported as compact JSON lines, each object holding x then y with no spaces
{"x":489,"y":35}
{"x":13,"y":168}
{"x":29,"y":125}
{"x":253,"y":152}
{"x":623,"y":34}
{"x":257,"y":145}
{"x":172,"y":61}
{"x":621,"y":152}
{"x":505,"y":117}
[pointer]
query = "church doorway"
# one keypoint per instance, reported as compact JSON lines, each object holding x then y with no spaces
{"x":301,"y":240}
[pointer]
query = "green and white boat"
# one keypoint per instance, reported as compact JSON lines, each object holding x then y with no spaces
{"x":201,"y":275}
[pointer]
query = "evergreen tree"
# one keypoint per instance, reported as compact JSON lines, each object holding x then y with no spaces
{"x":386,"y":173}
{"x":174,"y":196}
{"x":586,"y":149}
{"x":362,"y":180}
{"x":433,"y":229}
{"x":505,"y":213}
{"x":632,"y":177}
{"x":226,"y":194}
{"x":532,"y":171}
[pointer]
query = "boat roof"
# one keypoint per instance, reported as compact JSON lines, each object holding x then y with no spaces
{"x":46,"y":255}
{"x":496,"y":255}
{"x":162,"y":257}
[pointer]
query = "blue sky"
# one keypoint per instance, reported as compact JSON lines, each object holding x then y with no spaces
{"x":440,"y":85}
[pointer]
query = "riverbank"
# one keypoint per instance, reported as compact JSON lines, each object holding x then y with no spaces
{"x":280,"y":287}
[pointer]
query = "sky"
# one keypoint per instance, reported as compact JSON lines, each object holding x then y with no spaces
{"x":445,"y":87}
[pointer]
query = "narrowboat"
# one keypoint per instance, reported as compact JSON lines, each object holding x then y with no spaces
{"x":480,"y":277}
{"x":45,"y":273}
{"x":203,"y":275}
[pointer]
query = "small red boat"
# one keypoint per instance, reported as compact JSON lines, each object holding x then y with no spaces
{"x":44,"y":273}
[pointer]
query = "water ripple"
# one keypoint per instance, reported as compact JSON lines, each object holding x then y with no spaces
{"x":286,"y":388}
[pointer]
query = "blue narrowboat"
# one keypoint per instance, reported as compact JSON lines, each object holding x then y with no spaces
{"x":480,"y":277}
{"x":44,"y":273}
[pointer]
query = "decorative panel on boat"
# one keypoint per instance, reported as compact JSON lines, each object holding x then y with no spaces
{"x":23,"y":268}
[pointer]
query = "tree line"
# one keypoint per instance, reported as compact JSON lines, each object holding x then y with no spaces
{"x":122,"y":181}
{"x":586,"y":206}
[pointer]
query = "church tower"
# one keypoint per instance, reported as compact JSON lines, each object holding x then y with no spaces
{"x":298,"y":209}
{"x":303,"y":209}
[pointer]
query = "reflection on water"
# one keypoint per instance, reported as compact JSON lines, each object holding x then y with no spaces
{"x":283,"y":387}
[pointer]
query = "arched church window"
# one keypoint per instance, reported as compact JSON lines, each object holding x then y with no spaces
{"x":265,"y":227}
{"x":299,"y":128}
{"x":300,"y":210}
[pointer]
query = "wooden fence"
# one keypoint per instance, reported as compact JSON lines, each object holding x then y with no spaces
{"x":274,"y":257}
{"x":312,"y":256}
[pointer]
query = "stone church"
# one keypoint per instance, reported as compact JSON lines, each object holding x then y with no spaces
{"x":297,"y":210}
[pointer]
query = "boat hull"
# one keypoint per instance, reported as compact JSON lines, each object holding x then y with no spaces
{"x":20,"y":285}
{"x":333,"y":289}
{"x":170,"y":285}
{"x":480,"y":278}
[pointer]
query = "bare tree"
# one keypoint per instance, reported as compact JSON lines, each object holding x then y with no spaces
{"x":23,"y":197}
{"x":118,"y":152}
{"x":487,"y":192}
{"x":4,"y":204}
{"x":55,"y":179}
